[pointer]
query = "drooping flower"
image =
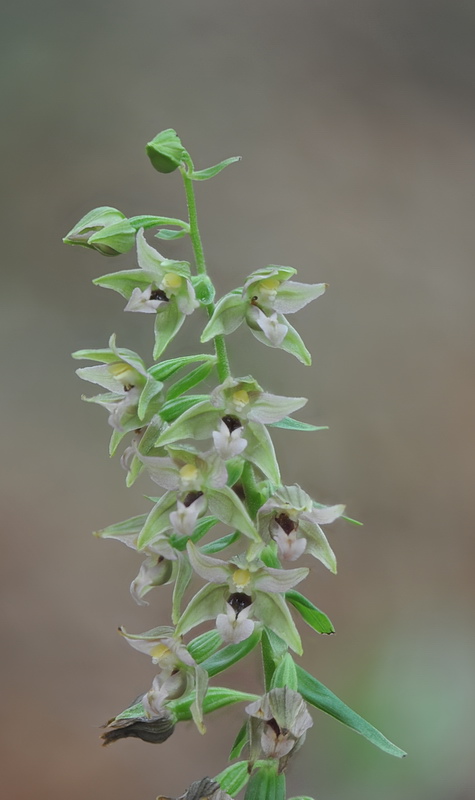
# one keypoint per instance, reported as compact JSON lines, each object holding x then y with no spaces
{"x":235,"y":416}
{"x":104,"y":229}
{"x":278,"y":724}
{"x":266,"y":296}
{"x":291,"y":518}
{"x":161,"y":286}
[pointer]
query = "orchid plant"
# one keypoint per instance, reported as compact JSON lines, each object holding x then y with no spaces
{"x":213,"y":457}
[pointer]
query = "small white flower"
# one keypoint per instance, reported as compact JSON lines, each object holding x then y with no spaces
{"x":185,"y":517}
{"x":146,"y":301}
{"x":274,"y":330}
{"x":229,"y":443}
{"x":164,"y":689}
{"x":235,"y":626}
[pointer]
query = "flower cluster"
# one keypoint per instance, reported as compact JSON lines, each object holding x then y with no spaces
{"x":212,"y":456}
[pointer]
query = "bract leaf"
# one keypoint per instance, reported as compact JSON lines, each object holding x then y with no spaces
{"x":196,"y":421}
{"x":168,"y":234}
{"x":239,"y":743}
{"x":149,"y":221}
{"x":227,"y":316}
{"x":173,"y":409}
{"x":165,"y":369}
{"x":203,"y":646}
{"x":230,"y":654}
{"x":233,"y":778}
{"x":206,"y":604}
{"x":167,"y":324}
{"x":149,"y":393}
{"x":285,"y":674}
{"x":192,"y":379}
{"x":310,"y":613}
{"x":201,"y":529}
{"x":220,"y":544}
{"x":182,"y":581}
{"x":265,"y":783}
{"x":260,"y":451}
{"x":226,"y":505}
{"x":210,"y":172}
{"x":295,"y":425}
{"x":319,"y":696}
{"x":272,"y":610}
{"x":234,"y":468}
{"x":216,"y":697}
{"x":158,"y":521}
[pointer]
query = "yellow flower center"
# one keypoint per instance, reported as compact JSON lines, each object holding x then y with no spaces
{"x":159,"y":651}
{"x":124,"y":373}
{"x":241,"y":578}
{"x":189,"y":472}
{"x":270,"y":284}
{"x":172,"y":281}
{"x":241,"y":398}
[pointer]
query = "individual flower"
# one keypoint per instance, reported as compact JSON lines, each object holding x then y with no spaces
{"x":154,"y":729}
{"x":104,"y":229}
{"x":161,"y":286}
{"x":293,"y":521}
{"x":235,"y":416}
{"x":156,"y":570}
{"x":278,"y":724}
{"x":164,"y":688}
{"x":189,"y":476}
{"x":206,"y":789}
{"x":231,"y":589}
{"x":266,"y":296}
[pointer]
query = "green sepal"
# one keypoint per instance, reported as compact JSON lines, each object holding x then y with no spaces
{"x":204,"y":289}
{"x":233,"y":778}
{"x":265,"y":782}
{"x":166,"y":151}
{"x":343,"y":516}
{"x":195,"y":422}
{"x":124,"y":282}
{"x":310,"y":613}
{"x":216,"y":697}
{"x":115,"y":440}
{"x":273,"y":650}
{"x":168,"y":322}
{"x":226,"y":505}
{"x":95,"y":220}
{"x":158,"y":521}
{"x":227,"y":316}
{"x":131,"y":712}
{"x":203,"y":646}
{"x":319,"y":696}
{"x":220,"y":544}
{"x":114,"y":239}
{"x":165,"y":369}
{"x":291,"y":424}
{"x":231,"y":654}
{"x":234,"y":468}
{"x":193,"y":378}
{"x":149,"y":221}
{"x":239,"y":742}
{"x":145,"y":446}
{"x":168,"y":234}
{"x":260,"y":451}
{"x":128,"y":527}
{"x":110,"y":356}
{"x":293,"y":344}
{"x":171,"y":410}
{"x":182,"y":581}
{"x":197,"y":706}
{"x":269,"y":556}
{"x":206,"y":604}
{"x":285,"y":674}
{"x":210,"y":172}
{"x":148,"y":395}
{"x":201,"y":529}
{"x":273,"y":611}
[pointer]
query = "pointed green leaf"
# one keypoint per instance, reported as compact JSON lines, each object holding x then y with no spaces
{"x":203,"y":646}
{"x":216,"y":697}
{"x":295,"y":425}
{"x":197,"y":706}
{"x":233,"y":778}
{"x":260,"y":451}
{"x":124,"y":282}
{"x":310,"y":613}
{"x":285,"y":674}
{"x":319,"y":696}
{"x":129,"y":527}
{"x":149,"y":221}
{"x":210,"y":172}
{"x":230,"y":654}
{"x":148,"y":395}
{"x":193,"y":378}
{"x":239,"y":743}
{"x":173,"y":409}
{"x":220,"y":544}
{"x":165,"y":369}
{"x":206,"y":604}
{"x":182,"y":582}
{"x":266,"y":783}
{"x":158,"y":521}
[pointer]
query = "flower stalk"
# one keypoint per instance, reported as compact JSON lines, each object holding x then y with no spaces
{"x":211,"y":454}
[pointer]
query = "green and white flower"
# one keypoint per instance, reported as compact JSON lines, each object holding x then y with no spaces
{"x":104,"y":229}
{"x":278,"y":724}
{"x":291,"y":519}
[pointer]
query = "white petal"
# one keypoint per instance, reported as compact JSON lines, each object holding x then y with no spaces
{"x":273,"y":330}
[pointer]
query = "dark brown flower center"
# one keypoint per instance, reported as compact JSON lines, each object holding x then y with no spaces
{"x":158,"y":294}
{"x":239,"y":601}
{"x":191,"y":497}
{"x":288,"y":525}
{"x":232,"y":423}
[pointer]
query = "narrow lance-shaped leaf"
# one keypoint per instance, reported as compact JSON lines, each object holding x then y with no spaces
{"x":319,"y":696}
{"x":310,"y":613}
{"x":173,"y":409}
{"x":203,"y":646}
{"x":230,"y":655}
{"x":233,"y":778}
{"x":210,"y":172}
{"x":291,"y":424}
{"x":188,"y":381}
{"x":239,"y":742}
{"x":220,"y":544}
{"x":165,"y":369}
{"x":216,"y":697}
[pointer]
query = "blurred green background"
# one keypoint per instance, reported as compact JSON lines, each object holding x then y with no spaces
{"x":356,"y":125}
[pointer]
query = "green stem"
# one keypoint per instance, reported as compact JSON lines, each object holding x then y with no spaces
{"x":222,"y":364}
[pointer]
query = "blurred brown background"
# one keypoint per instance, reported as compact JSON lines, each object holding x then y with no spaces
{"x":356,"y":125}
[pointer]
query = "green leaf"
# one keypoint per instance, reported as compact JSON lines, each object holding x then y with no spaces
{"x":216,"y":697}
{"x":265,"y":783}
{"x":201,"y":529}
{"x":192,"y":379}
{"x":310,"y":613}
{"x":220,"y":544}
{"x":226,"y":505}
{"x":301,"y":797}
{"x":230,"y":654}
{"x":233,"y":778}
{"x":319,"y":696}
{"x":295,"y":425}
{"x":269,"y":556}
{"x":165,"y":369}
{"x":173,"y":409}
{"x":285,"y":674}
{"x":206,"y":604}
{"x":168,"y":234}
{"x":204,"y":289}
{"x":260,"y":451}
{"x":149,"y":221}
{"x":210,"y":172}
{"x":203,"y":646}
{"x":166,"y":151}
{"x":239,"y":743}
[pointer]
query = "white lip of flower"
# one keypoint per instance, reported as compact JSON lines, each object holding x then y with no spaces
{"x":235,"y":627}
{"x":155,"y":571}
{"x":164,"y":687}
{"x":142,"y":301}
{"x":289,"y":546}
{"x":272,"y":329}
{"x":228,"y":444}
{"x":184,"y":519}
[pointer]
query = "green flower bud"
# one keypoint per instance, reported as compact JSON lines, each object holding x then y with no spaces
{"x":166,"y":151}
{"x":93,"y":224}
{"x":114,"y":240}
